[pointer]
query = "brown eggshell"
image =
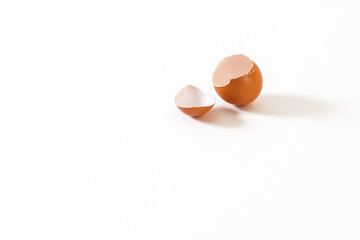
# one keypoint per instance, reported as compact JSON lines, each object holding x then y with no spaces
{"x":195,"y":111}
{"x":191,"y":101}
{"x":237,"y":80}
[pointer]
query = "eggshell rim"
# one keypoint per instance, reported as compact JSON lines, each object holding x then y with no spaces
{"x":250,"y":72}
{"x":196,"y":111}
{"x":203,"y":94}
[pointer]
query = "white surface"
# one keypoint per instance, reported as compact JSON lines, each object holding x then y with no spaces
{"x":93,"y":147}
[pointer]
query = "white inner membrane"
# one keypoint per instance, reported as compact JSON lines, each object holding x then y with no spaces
{"x":191,"y":96}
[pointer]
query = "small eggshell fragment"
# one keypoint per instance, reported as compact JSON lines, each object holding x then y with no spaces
{"x":237,"y":80}
{"x":191,"y":101}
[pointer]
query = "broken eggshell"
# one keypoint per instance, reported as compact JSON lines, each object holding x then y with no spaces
{"x":191,"y":101}
{"x":237,"y":80}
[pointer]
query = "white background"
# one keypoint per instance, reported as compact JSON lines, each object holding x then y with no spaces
{"x":93,"y":147}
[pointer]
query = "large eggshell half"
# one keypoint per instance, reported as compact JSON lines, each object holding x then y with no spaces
{"x":191,"y":101}
{"x":237,"y":80}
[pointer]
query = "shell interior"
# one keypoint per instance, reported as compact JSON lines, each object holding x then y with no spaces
{"x":190,"y":97}
{"x":230,"y":68}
